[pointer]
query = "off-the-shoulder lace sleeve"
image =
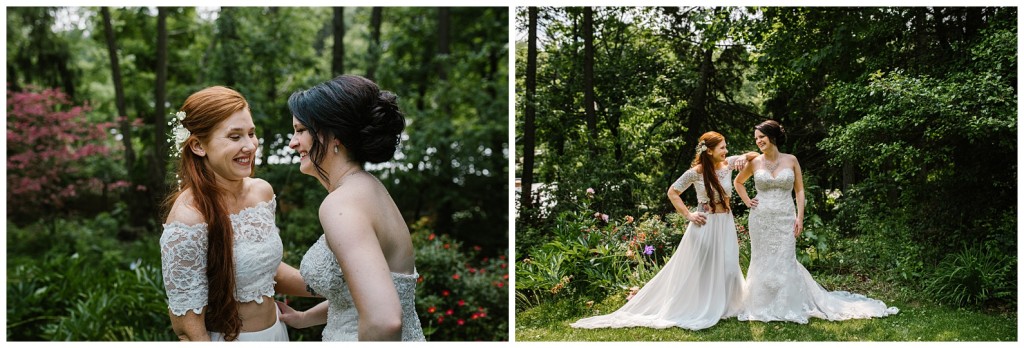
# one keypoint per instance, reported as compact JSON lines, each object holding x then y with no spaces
{"x":688,"y":178}
{"x":183,"y":259}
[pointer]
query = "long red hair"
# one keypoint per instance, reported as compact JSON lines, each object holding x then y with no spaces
{"x":703,"y":158}
{"x":204,"y":110}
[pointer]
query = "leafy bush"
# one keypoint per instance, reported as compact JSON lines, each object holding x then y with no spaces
{"x":94,"y":289}
{"x":460,"y":296}
{"x":54,"y":154}
{"x":974,"y":276}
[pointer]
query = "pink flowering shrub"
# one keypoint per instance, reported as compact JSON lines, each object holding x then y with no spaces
{"x":49,"y":146}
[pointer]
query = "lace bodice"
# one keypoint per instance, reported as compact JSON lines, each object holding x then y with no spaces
{"x":691,"y":177}
{"x":323,"y":275}
{"x":257,"y":253}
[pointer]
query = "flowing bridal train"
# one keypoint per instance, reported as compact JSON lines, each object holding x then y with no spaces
{"x":702,"y":282}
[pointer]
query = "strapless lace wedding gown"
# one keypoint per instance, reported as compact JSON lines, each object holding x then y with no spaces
{"x":778,"y":287}
{"x":320,"y":270}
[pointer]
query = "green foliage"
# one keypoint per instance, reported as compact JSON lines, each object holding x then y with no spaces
{"x":461,"y":296}
{"x":95,"y":289}
{"x":975,"y":276}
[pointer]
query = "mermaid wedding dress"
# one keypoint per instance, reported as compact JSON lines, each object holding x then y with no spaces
{"x":778,"y":287}
{"x":700,"y":284}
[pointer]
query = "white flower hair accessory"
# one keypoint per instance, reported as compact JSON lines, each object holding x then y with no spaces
{"x":178,"y":133}
{"x":701,"y":147}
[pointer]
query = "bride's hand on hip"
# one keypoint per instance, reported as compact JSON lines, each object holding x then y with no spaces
{"x":753,"y":203}
{"x":697,"y":218}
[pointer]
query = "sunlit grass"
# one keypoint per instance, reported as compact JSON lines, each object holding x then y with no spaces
{"x":918,"y":320}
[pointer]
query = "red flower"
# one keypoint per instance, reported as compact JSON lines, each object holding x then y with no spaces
{"x":455,"y":276}
{"x":474,"y":316}
{"x":446,"y":245}
{"x":482,"y":314}
{"x":477,"y":248}
{"x":461,"y":322}
{"x":440,"y":320}
{"x":445,"y":293}
{"x":419,"y":280}
{"x":432,"y":309}
{"x":462,"y":303}
{"x":503,"y":265}
{"x":499,"y":284}
{"x":431,"y":237}
{"x":505,"y":276}
{"x":449,"y":312}
{"x":501,"y":257}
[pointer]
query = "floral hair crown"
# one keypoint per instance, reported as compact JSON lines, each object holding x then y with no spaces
{"x":178,"y":133}
{"x":701,"y":147}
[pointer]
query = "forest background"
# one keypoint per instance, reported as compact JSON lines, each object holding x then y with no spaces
{"x":904,"y":120}
{"x":89,"y":94}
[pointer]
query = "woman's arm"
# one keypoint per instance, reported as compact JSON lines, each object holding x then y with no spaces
{"x":677,"y":202}
{"x":798,"y":187}
{"x":289,"y":281}
{"x":189,"y":327}
{"x":351,"y":236}
{"x":310,"y":317}
{"x":741,"y":190}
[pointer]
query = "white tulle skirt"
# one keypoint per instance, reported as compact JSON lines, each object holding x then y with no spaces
{"x":699,"y":285}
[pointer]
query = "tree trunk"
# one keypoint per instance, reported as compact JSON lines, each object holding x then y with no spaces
{"x":126,"y":129}
{"x":588,"y":76}
{"x":376,"y":17}
{"x":159,"y":164}
{"x":530,"y":112}
{"x":338,"y":60}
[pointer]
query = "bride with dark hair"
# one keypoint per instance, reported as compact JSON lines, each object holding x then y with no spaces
{"x":778,"y":287}
{"x":363,"y":263}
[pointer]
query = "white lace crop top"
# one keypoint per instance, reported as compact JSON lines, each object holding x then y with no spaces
{"x":691,"y":177}
{"x":257,"y":253}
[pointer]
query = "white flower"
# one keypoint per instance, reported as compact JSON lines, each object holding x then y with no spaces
{"x":178,"y":133}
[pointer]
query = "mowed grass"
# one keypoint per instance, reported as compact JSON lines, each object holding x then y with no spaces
{"x":918,"y":320}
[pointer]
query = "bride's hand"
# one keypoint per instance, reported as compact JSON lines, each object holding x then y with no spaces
{"x":739,"y":163}
{"x":797,"y":228}
{"x":697,"y":218}
{"x":753,"y":203}
{"x":291,"y":317}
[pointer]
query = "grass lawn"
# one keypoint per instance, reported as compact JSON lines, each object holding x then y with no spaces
{"x":918,"y":320}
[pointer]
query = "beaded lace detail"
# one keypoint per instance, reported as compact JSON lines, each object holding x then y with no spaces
{"x":323,"y":275}
{"x":257,"y":253}
{"x":778,"y":287}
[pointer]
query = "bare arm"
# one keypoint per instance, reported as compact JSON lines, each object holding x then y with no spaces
{"x":798,"y":187}
{"x":310,"y":317}
{"x":741,"y":190}
{"x":352,"y":238}
{"x":190,"y":327}
{"x":677,"y":202}
{"x":289,"y":281}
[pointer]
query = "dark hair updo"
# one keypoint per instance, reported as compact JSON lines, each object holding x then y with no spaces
{"x":774,"y":131}
{"x":353,"y":110}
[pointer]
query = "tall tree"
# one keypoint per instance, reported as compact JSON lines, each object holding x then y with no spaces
{"x":338,"y":57}
{"x":530,"y":110}
{"x":376,"y":18}
{"x":115,"y":69}
{"x":588,"y":76}
{"x":158,"y":165}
